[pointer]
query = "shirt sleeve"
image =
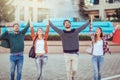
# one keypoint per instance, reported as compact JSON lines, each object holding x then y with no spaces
{"x":56,"y":29}
{"x":32,"y":33}
{"x":108,"y":36}
{"x":92,"y":34}
{"x":82,"y":27}
{"x":26,"y":28}
{"x":47,"y":31}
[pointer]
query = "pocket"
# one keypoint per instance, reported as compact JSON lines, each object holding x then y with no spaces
{"x":11,"y":57}
{"x":21,"y":57}
{"x":45,"y":59}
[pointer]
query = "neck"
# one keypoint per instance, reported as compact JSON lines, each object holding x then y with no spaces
{"x":98,"y":37}
{"x":16,"y":32}
{"x":39,"y":36}
{"x":68,"y":29}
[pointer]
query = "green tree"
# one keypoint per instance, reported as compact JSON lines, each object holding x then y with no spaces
{"x":6,"y":11}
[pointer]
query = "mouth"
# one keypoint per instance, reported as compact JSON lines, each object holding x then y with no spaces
{"x":67,"y":27}
{"x":40,"y":33}
{"x":16,"y":30}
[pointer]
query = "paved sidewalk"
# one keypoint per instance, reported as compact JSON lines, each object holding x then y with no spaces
{"x":55,"y":69}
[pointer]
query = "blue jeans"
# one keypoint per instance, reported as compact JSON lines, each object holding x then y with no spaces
{"x":97,"y":62}
{"x":40,"y":64}
{"x":16,"y":61}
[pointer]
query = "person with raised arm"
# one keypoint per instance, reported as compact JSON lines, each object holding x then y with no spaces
{"x":70,"y":43}
{"x":99,"y":48}
{"x":16,"y":45}
{"x":40,"y":48}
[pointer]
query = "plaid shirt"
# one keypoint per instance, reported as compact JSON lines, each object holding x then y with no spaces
{"x":104,"y":38}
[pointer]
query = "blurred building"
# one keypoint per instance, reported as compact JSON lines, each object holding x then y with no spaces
{"x":39,"y":9}
{"x":32,"y":8}
{"x":102,"y":9}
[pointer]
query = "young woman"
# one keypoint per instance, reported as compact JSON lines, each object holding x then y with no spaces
{"x":100,"y":47}
{"x":41,"y":49}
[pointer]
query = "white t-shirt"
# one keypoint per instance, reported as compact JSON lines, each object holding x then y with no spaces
{"x":40,"y":46}
{"x":98,"y":48}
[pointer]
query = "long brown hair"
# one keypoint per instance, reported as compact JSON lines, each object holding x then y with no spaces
{"x":37,"y":33}
{"x":101,"y":35}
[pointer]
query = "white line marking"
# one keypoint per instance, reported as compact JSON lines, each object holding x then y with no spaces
{"x":112,"y":77}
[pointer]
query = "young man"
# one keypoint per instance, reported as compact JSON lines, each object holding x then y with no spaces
{"x":16,"y":44}
{"x":70,"y":42}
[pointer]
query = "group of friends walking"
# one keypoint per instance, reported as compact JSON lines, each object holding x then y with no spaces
{"x":70,"y":43}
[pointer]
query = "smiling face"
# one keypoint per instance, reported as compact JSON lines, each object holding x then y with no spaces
{"x":40,"y":31}
{"x":67,"y":24}
{"x":16,"y":27}
{"x":99,"y":32}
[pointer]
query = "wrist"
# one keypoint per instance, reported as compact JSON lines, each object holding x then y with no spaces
{"x":90,"y":22}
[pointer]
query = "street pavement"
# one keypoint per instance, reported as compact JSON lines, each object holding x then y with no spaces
{"x":55,"y":68}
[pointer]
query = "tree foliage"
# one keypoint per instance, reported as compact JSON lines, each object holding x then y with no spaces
{"x":6,"y":11}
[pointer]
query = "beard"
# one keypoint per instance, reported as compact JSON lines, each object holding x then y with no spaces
{"x":16,"y":30}
{"x":67,"y":27}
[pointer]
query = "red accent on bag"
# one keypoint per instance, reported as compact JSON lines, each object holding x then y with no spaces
{"x":116,"y":36}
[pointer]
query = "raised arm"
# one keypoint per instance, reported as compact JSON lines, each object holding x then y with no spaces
{"x":26,"y":28}
{"x":91,"y":33}
{"x":47,"y":31}
{"x":108,"y":36}
{"x":91,"y":29}
{"x":55,"y":28}
{"x":82,"y":27}
{"x":5,"y":34}
{"x":32,"y":31}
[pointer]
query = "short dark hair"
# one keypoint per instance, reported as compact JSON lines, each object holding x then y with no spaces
{"x":66,"y":21}
{"x":15,"y":24}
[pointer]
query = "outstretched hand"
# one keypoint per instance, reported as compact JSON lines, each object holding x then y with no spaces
{"x":91,"y":18}
{"x":48,"y":22}
{"x":30,"y":21}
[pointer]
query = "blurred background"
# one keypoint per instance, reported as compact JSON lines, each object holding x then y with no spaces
{"x":106,"y":12}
